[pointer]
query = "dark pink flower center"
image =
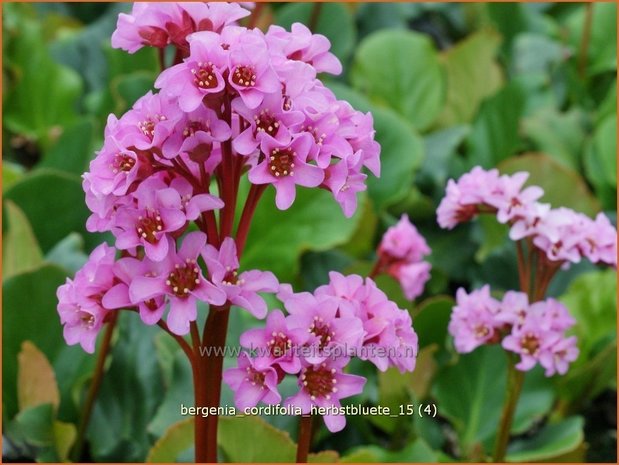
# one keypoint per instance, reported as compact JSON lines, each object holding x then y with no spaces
{"x":322,"y":331}
{"x":530,"y":344}
{"x":87,"y":319}
{"x":319,"y":381}
{"x":231,"y":277}
{"x":195,"y":126}
{"x":148,"y":226}
{"x":279,"y":344}
{"x":319,"y":137}
{"x":255,"y":377}
{"x":184,"y":278}
{"x":481,"y":331}
{"x":244,"y":76}
{"x":122,"y":162}
{"x":204,"y":76}
{"x":266,"y":122}
{"x":281,"y":162}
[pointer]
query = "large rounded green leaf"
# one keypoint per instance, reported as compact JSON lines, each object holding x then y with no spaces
{"x":472,"y":75}
{"x":29,"y":313}
{"x":553,"y":441}
{"x":401,"y":149}
{"x":277,"y":238}
{"x":401,"y":69}
{"x":54,"y":204}
{"x":21,"y":251}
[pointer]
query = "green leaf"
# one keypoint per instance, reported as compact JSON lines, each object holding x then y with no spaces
{"x":416,"y":451}
{"x":602,"y":49}
{"x":334,"y":21}
{"x":64,"y":438}
{"x":21,"y":250}
{"x":277,"y":238}
{"x":29,"y":313}
{"x":432,"y":317}
{"x":11,"y":173}
{"x":73,"y":150}
{"x":592,"y":300}
{"x":601,"y":163}
{"x":68,"y":253}
{"x":475,"y":407}
{"x":401,"y":155}
{"x":36,"y":381}
{"x":401,"y":69}
{"x":261,"y":441}
{"x":401,"y":149}
{"x":44,"y":96}
{"x":472,"y":75}
{"x":554,"y":440}
{"x":35,"y":425}
{"x":440,"y":150}
{"x":563,"y":187}
{"x":176,"y":439}
{"x":495,"y":131}
{"x":560,"y":135}
{"x":130,"y":394}
{"x":52,"y":217}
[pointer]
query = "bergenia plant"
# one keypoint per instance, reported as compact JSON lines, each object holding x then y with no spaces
{"x":533,"y":329}
{"x":235,"y":103}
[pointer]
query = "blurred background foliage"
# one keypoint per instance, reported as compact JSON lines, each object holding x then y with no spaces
{"x":517,"y":86}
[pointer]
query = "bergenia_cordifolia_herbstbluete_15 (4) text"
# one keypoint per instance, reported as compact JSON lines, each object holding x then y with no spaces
{"x":234,"y":106}
{"x":531,"y":327}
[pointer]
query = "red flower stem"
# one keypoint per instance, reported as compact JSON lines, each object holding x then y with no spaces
{"x":523,"y":268}
{"x":255,"y":192}
{"x":313,"y":22}
{"x":210,"y":372}
{"x":515,"y":379}
{"x":93,"y":390}
{"x":305,"y":438}
{"x":255,"y":15}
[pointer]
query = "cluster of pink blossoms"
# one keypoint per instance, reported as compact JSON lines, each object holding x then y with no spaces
{"x":563,"y":235}
{"x":536,"y":332}
{"x":315,"y":341}
{"x":400,"y":255}
{"x":236,"y":101}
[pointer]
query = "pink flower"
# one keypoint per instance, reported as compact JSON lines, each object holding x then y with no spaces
{"x":559,"y":234}
{"x":182,"y":282}
{"x":530,"y":341}
{"x":412,"y":277}
{"x":324,"y":385}
{"x":126,"y":270}
{"x":599,"y":243}
{"x":345,"y":180}
{"x":80,"y":299}
{"x":278,"y":343}
{"x":157,"y":213}
{"x":240,"y":289}
{"x":559,"y":355}
{"x":251,"y":74}
{"x":285,"y":166}
{"x":403,"y":242}
{"x":199,"y":75}
{"x":330,"y":333}
{"x":473,"y":321}
{"x":269,"y":120}
{"x":194,"y":133}
{"x":251,"y":383}
{"x":510,"y":200}
{"x":300,"y":44}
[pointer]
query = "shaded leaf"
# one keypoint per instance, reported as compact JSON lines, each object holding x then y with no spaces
{"x":554,"y":440}
{"x":36,"y":381}
{"x":21,"y":249}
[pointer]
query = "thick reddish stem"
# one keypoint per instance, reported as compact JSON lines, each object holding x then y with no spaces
{"x":305,"y":438}
{"x":255,"y":192}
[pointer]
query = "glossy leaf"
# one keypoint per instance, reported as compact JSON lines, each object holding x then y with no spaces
{"x":472,"y":75}
{"x":401,"y":69}
{"x":21,"y":249}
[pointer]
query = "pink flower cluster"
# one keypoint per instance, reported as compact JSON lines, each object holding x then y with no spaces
{"x":536,"y":332}
{"x":315,"y":341}
{"x":177,"y":283}
{"x":561,"y":234}
{"x":400,"y":255}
